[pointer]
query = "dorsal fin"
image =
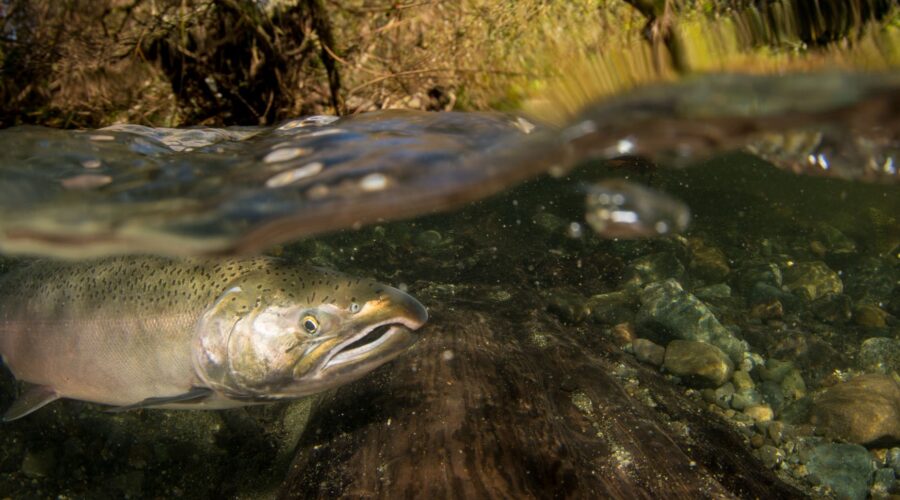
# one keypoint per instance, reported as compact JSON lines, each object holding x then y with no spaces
{"x":32,"y":398}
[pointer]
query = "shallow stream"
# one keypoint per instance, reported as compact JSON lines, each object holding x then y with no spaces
{"x":771,"y":320}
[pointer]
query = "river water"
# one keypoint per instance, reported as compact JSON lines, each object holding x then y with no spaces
{"x":773,"y":283}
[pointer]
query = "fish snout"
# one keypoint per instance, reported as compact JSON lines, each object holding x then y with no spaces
{"x":405,"y":309}
{"x":382,"y":331}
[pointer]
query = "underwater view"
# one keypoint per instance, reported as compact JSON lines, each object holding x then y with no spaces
{"x":653,"y":278}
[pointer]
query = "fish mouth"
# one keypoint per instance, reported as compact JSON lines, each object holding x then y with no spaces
{"x":381,"y":341}
{"x":377,"y":342}
{"x":385,"y":330}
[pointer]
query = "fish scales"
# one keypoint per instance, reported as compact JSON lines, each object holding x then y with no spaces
{"x":132,"y":311}
{"x":149,"y":331}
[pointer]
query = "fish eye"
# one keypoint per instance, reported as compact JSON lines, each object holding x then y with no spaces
{"x":310,"y":324}
{"x":354,"y":307}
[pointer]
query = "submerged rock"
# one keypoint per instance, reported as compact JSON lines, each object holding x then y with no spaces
{"x":870,"y":316}
{"x":770,"y":309}
{"x":833,"y":308}
{"x":893,"y":459}
{"x":770,"y":455}
{"x":713,"y":292}
{"x":760,"y":413}
{"x":793,"y":386}
{"x":772,"y":394}
{"x":742,"y":380}
{"x":798,"y":412}
{"x":776,"y":370}
{"x":753,"y":273}
{"x":880,"y":355}
{"x":764,"y":293}
{"x":864,"y":410}
{"x":698,"y":361}
{"x":882,"y":483}
{"x":745,"y":399}
{"x":845,"y":468}
{"x":623,"y":334}
{"x":570,"y":307}
{"x":611,"y":308}
{"x":832,"y":240}
{"x":648,"y":351}
{"x":778,"y":431}
{"x":668,"y":305}
{"x":708,"y":262}
{"x":720,"y":396}
{"x":653,"y":267}
{"x":812,"y":280}
{"x":38,"y":463}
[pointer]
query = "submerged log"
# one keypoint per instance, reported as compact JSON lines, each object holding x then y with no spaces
{"x":489,"y":407}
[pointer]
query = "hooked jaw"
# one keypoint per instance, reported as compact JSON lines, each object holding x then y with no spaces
{"x":261,"y":355}
{"x":385,"y":331}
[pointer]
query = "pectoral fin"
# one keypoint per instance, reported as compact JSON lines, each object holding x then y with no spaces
{"x":33,"y":398}
{"x":192,"y":396}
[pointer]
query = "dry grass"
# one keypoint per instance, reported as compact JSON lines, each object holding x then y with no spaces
{"x":60,"y":67}
{"x":470,"y":54}
{"x":111,"y":60}
{"x":467,"y":54}
{"x":88,"y":63}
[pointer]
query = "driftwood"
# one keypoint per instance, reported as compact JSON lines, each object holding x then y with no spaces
{"x":483,"y":408}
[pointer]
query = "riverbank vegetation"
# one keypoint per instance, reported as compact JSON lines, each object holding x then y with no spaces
{"x":89,"y":63}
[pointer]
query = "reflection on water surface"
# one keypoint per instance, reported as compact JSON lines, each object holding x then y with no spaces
{"x":127,"y":188}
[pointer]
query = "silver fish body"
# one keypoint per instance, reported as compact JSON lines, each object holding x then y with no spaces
{"x":154,"y":332}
